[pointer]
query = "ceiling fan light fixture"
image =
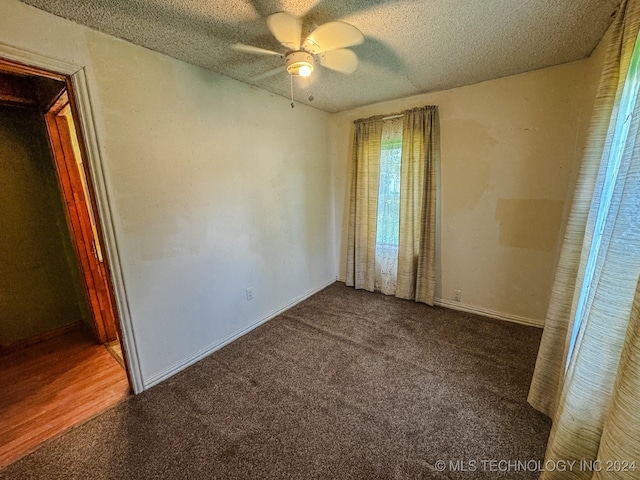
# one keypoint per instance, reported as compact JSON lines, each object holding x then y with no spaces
{"x":300,"y":63}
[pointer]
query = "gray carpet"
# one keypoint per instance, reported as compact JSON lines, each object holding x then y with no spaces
{"x":348,"y":384}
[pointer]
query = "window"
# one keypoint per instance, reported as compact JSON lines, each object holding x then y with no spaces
{"x":388,"y":216}
{"x":620,"y":135}
{"x":392,"y":216}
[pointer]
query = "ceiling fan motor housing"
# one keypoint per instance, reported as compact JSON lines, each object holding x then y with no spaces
{"x":300,"y":63}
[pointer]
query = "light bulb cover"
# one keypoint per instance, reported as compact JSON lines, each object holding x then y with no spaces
{"x":300,"y":63}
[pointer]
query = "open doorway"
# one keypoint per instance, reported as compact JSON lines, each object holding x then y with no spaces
{"x":60,"y":350}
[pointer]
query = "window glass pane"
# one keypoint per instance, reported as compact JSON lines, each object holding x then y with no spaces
{"x":389,"y":187}
{"x":628,"y":103}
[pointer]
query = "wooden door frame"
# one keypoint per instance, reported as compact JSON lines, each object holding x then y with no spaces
{"x":81,"y":103}
{"x":82,"y":217}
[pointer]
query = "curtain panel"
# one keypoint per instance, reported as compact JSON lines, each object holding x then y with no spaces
{"x":417,"y":249}
{"x":363,"y":209}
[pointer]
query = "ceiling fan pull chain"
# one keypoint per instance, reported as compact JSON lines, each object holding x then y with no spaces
{"x":309,"y":87}
{"x":293,"y":104}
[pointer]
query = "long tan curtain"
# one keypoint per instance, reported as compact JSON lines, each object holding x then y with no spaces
{"x":549,"y":372}
{"x":588,"y":390}
{"x":418,"y":174}
{"x":361,"y":248}
{"x":420,"y":159}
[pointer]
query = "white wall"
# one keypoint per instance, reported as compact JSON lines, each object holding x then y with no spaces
{"x":510,"y":154}
{"x":215,"y":186}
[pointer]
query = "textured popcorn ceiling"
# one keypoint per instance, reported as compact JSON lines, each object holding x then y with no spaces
{"x":411,"y":46}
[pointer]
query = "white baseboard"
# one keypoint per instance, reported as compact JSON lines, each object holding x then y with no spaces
{"x":196,"y":357}
{"x":485,"y":312}
{"x":463,"y":307}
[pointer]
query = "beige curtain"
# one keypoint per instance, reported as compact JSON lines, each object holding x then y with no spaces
{"x":361,"y":247}
{"x":549,"y":372}
{"x":593,"y":403}
{"x":420,"y":159}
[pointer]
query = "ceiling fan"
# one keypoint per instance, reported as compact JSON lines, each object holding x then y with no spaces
{"x":328,"y":44}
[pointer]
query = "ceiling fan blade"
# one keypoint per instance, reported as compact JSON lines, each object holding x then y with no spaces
{"x":268,"y":74}
{"x":332,"y":36}
{"x":342,"y":60}
{"x":241,"y":47}
{"x":286,"y":28}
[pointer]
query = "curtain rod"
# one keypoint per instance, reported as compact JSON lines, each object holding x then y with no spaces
{"x":391,"y":117}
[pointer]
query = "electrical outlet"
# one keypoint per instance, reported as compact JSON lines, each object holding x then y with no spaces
{"x":457,"y":295}
{"x":249,"y":294}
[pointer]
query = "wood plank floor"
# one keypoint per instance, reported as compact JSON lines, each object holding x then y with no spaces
{"x":48,"y":388}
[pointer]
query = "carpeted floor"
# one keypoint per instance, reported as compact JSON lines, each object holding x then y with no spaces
{"x":348,"y":384}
